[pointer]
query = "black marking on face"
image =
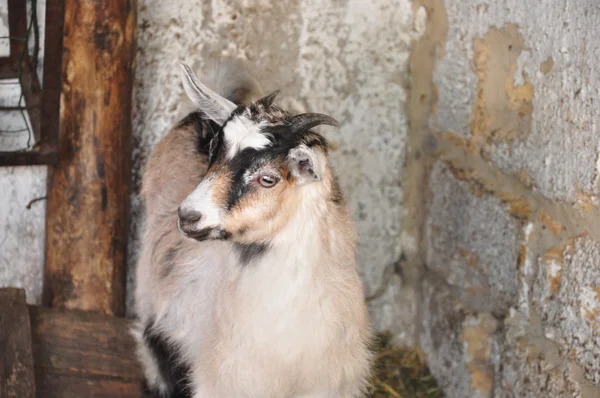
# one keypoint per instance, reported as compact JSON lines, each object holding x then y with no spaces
{"x":250,"y":251}
{"x":244,"y":162}
{"x":249,"y":160}
{"x":175,"y":373}
{"x":214,"y":148}
{"x":204,"y":128}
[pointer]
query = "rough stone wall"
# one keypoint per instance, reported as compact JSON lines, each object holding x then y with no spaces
{"x":504,"y":162}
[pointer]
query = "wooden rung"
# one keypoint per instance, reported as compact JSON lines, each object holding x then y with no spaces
{"x":83,"y":354}
{"x":16,"y":360}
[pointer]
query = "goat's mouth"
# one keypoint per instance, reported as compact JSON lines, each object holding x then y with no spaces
{"x":199,"y":235}
{"x":203,"y":234}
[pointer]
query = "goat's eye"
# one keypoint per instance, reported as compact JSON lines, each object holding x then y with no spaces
{"x":267,"y":181}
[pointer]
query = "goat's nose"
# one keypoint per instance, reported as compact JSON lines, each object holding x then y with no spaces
{"x":188,"y":216}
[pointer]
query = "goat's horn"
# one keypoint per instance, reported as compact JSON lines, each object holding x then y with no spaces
{"x":267,"y":101}
{"x":306,"y":121}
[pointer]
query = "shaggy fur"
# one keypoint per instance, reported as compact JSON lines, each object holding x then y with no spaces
{"x":260,"y":298}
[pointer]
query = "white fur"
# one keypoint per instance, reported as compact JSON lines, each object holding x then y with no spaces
{"x":200,"y":200}
{"x":272,"y":329}
{"x":241,"y":132}
{"x":212,"y":104}
{"x":316,"y":160}
{"x":292,"y":324}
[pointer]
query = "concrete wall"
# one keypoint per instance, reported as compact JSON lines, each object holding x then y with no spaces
{"x":506,"y":116}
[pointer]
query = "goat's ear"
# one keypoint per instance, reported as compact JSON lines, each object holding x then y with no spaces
{"x":306,"y":164}
{"x":214,"y":106}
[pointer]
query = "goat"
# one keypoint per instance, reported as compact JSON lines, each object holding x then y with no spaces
{"x":246,"y":285}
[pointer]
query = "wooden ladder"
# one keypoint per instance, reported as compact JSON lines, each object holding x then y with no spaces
{"x":46,"y":352}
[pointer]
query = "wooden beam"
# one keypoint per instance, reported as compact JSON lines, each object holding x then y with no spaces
{"x":52,"y":75}
{"x":83,"y":354}
{"x":27,"y":158}
{"x":17,"y":30}
{"x":88,"y":194}
{"x":16,"y":361}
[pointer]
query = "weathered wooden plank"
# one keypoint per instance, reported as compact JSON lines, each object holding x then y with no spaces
{"x":16,"y":360}
{"x":88,"y":194}
{"x":65,"y":384}
{"x":83,"y":354}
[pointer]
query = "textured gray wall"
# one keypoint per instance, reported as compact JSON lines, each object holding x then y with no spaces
{"x":511,"y":230}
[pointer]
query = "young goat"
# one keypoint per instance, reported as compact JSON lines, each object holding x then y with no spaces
{"x":247,"y":287}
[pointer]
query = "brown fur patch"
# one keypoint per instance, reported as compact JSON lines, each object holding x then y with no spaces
{"x":221,"y":184}
{"x":174,"y":166}
{"x":261,"y":214}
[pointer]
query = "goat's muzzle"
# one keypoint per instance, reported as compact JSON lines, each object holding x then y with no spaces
{"x":188,"y":222}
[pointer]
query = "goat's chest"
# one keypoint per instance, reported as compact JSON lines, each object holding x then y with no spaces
{"x":280,"y":308}
{"x":272,"y":327}
{"x":264,"y":321}
{"x":279,"y":302}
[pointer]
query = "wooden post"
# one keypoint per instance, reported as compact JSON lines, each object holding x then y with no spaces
{"x":88,"y":193}
{"x":16,"y":360}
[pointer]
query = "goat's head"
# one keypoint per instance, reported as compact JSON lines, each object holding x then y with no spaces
{"x":262,"y":161}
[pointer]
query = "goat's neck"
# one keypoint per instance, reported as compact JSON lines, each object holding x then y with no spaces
{"x":304,"y":241}
{"x":295,"y":261}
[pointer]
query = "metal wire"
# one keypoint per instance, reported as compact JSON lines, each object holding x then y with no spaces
{"x":32,"y":26}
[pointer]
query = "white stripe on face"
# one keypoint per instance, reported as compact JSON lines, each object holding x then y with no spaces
{"x":241,"y":132}
{"x":200,"y":200}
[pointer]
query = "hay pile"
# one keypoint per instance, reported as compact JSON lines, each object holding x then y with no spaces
{"x":401,"y":373}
